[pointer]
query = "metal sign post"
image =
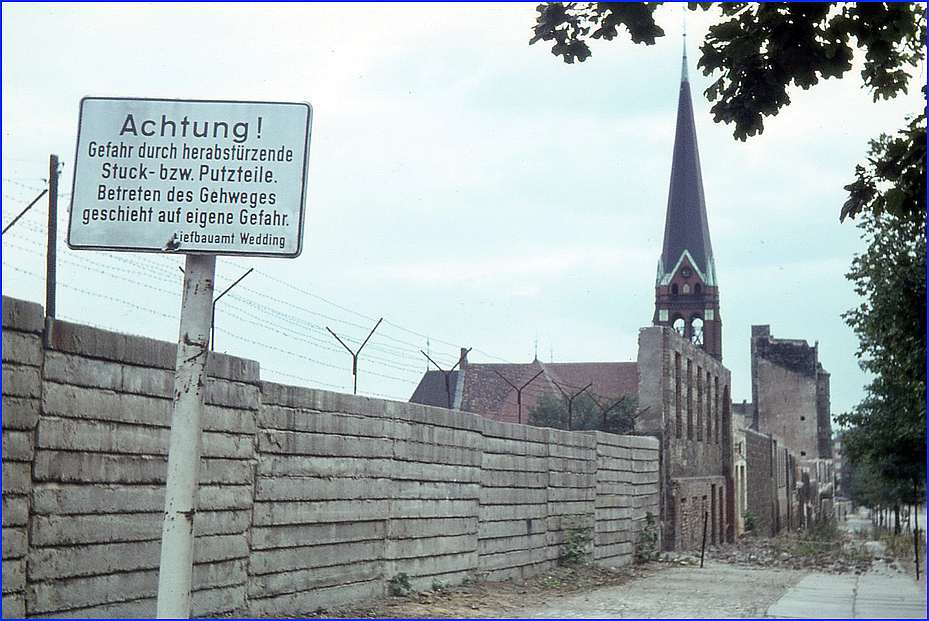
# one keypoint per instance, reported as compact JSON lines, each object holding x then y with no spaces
{"x":177,"y":537}
{"x":200,"y":178}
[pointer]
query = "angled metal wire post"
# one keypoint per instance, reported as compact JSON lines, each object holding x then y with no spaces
{"x":519,"y":392}
{"x":23,"y":212}
{"x":607,"y":410}
{"x":215,"y":300}
{"x":448,"y":387}
{"x":571,"y":399}
{"x":355,"y":353}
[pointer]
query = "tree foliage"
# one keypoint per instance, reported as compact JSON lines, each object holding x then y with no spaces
{"x":887,"y":431}
{"x":760,"y":49}
{"x":868,"y":488}
{"x":894,"y":181}
{"x":587,"y":413}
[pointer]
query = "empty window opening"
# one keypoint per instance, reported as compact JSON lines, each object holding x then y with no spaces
{"x":696,"y":331}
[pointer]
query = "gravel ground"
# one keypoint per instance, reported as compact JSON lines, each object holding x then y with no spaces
{"x":676,"y":588}
{"x":737,"y":581}
{"x":718,"y":591}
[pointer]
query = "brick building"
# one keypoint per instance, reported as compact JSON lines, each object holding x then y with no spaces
{"x":684,"y":397}
{"x":684,"y":390}
{"x":773,"y":496}
{"x":686,"y":291}
{"x":741,"y":420}
{"x":507,"y":392}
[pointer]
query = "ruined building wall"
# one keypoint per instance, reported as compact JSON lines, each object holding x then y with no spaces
{"x":760,"y":483}
{"x":308,"y":498}
{"x":685,"y":397}
{"x":773,"y":491}
{"x":790,"y":394}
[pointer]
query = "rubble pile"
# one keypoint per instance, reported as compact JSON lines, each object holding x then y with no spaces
{"x":793,"y":552}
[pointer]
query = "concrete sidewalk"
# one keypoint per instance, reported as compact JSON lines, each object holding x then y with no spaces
{"x":881,"y":593}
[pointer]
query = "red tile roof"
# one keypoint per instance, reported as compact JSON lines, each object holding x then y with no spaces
{"x":489,"y":388}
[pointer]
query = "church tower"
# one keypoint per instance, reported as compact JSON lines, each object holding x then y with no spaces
{"x":686,"y":294}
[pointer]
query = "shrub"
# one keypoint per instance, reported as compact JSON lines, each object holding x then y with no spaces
{"x":646,"y":548}
{"x":575,"y":549}
{"x":400,"y":584}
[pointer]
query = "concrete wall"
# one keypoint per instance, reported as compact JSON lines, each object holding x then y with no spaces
{"x":22,"y":391}
{"x":308,"y":498}
{"x":92,"y":493}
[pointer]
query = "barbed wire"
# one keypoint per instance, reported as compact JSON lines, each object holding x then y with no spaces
{"x":250,"y":316}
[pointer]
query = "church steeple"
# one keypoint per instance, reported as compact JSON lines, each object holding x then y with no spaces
{"x":686,"y":295}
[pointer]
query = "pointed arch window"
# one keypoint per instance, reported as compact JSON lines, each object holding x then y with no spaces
{"x":697,"y":289}
{"x":679,"y":326}
{"x":696,"y":331}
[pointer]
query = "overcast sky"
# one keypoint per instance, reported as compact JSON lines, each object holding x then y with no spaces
{"x":471,"y":189}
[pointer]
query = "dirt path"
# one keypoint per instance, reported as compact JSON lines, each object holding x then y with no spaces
{"x":658,"y":590}
{"x":719,"y":590}
{"x":741,"y":580}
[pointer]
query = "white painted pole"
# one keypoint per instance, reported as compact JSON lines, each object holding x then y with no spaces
{"x":177,"y":538}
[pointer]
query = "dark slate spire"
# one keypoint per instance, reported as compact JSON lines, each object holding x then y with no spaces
{"x":685,"y":224}
{"x":686,"y":293}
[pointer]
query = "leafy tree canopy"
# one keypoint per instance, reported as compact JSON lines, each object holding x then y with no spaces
{"x":869,"y":488}
{"x":888,"y":428}
{"x":894,"y":180}
{"x":588,"y":412}
{"x":760,"y":48}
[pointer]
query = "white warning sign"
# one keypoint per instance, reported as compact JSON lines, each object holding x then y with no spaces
{"x":190,"y":176}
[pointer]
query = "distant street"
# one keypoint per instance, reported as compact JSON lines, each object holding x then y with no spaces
{"x":733,"y":591}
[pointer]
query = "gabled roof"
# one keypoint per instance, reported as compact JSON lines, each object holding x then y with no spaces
{"x":431,"y":389}
{"x":485,"y":392}
{"x":686,"y":223}
{"x":666,"y":275}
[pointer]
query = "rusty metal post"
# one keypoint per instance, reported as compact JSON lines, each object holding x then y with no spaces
{"x":177,"y":538}
{"x":354,"y":354}
{"x":519,"y":392}
{"x":51,"y":257}
{"x":706,"y":515}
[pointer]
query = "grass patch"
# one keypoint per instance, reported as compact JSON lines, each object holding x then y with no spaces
{"x":901,"y":547}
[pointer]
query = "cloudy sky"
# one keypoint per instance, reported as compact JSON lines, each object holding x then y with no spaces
{"x":471,"y":189}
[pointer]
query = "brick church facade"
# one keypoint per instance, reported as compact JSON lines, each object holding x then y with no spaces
{"x":685,"y":391}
